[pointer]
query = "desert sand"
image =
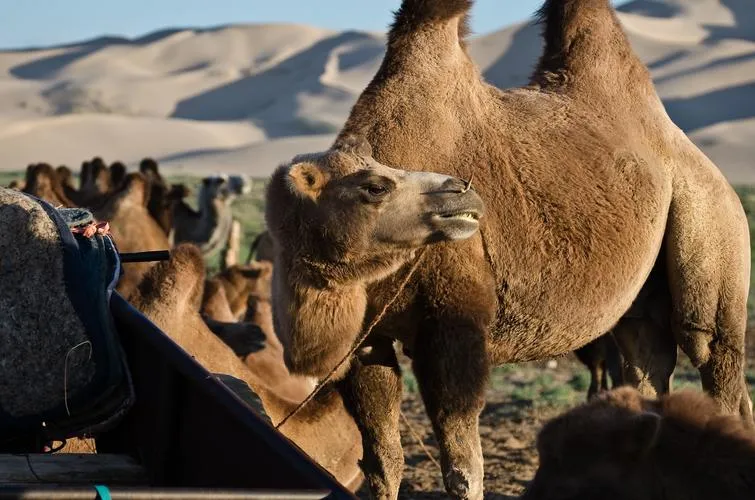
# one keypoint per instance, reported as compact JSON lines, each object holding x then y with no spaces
{"x":244,"y":98}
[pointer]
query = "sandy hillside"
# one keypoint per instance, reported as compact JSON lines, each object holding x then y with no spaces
{"x":243,"y":98}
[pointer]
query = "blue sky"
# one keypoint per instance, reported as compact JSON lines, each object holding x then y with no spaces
{"x":31,"y":23}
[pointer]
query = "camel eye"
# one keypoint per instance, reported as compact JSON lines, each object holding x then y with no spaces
{"x":375,"y":190}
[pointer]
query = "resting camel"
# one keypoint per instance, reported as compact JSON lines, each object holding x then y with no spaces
{"x":622,"y":445}
{"x":170,"y":296}
{"x":210,"y":227}
{"x":588,"y":186}
{"x":242,"y":293}
{"x":132,"y":227}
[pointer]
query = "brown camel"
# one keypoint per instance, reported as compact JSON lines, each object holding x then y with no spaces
{"x":209,"y":227}
{"x":170,"y":296}
{"x":603,"y":359}
{"x":161,"y":195}
{"x":588,"y":187}
{"x":261,"y":248}
{"x":132,"y":227}
{"x":622,"y":445}
{"x":43,"y":182}
{"x":94,"y":182}
{"x":243,"y":293}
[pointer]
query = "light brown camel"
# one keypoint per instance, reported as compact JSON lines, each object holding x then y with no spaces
{"x":624,"y":446}
{"x":170,"y":296}
{"x":132,"y":227}
{"x":588,"y":186}
{"x":43,"y":182}
{"x":209,"y":227}
{"x":243,"y":293}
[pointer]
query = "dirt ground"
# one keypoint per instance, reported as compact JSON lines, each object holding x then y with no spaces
{"x":519,"y":400}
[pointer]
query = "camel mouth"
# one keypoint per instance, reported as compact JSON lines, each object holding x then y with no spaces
{"x":469,"y":215}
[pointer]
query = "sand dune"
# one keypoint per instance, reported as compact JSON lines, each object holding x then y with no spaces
{"x":243,"y":98}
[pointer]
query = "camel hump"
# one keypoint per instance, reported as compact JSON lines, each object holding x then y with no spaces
{"x":584,"y":41}
{"x":414,"y":14}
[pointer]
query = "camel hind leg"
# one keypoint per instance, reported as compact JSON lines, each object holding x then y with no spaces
{"x":708,"y":258}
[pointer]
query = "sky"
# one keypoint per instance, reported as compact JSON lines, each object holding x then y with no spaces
{"x":39,"y":23}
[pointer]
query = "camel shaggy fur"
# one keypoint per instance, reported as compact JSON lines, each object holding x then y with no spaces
{"x":170,"y":295}
{"x":588,"y":187}
{"x":622,"y":445}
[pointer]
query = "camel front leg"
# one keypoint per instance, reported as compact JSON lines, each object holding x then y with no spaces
{"x":372,"y":394}
{"x":451,"y":366}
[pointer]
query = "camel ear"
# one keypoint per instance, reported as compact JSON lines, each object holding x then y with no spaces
{"x":640,"y":435}
{"x":307,"y":179}
{"x":352,"y":143}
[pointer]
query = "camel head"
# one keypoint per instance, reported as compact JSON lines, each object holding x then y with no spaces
{"x":340,"y":220}
{"x":343,"y":205}
{"x":222,"y":188}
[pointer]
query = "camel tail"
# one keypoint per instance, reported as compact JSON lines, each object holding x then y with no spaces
{"x":414,"y":14}
{"x":584,"y":40}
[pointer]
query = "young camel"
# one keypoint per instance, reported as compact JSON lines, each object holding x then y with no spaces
{"x":170,"y":295}
{"x":588,"y":186}
{"x":624,"y":446}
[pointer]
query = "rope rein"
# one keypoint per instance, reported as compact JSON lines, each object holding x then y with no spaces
{"x":359,"y":341}
{"x":369,"y":329}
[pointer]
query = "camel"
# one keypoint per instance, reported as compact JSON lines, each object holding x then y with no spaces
{"x":208,"y":228}
{"x":94,"y":183}
{"x":603,"y":359}
{"x":117,"y":173}
{"x":622,"y":445}
{"x":43,"y":182}
{"x":261,"y":248}
{"x":170,"y":295}
{"x":243,"y":293}
{"x":588,"y":186}
{"x":132,"y":227}
{"x":161,"y":196}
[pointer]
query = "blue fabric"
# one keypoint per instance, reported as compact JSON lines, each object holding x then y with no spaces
{"x":103,"y":492}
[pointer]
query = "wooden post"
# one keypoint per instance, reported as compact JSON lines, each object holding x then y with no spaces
{"x":230,"y":256}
